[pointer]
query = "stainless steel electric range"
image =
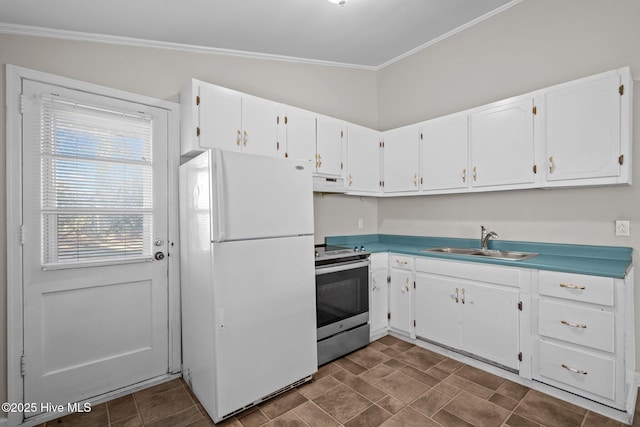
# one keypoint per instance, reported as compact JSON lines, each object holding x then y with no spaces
{"x":342,"y":301}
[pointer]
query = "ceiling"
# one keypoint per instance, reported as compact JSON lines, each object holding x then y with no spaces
{"x":363,"y":33}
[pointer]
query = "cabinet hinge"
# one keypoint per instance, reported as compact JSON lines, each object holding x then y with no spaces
{"x":388,"y":279}
{"x":197,"y":131}
{"x":414,"y":323}
{"x":21,"y":231}
{"x":621,"y":159}
{"x":535,"y":169}
{"x":621,"y":90}
{"x":198,"y":100}
{"x":23,"y":365}
{"x":421,"y":180}
{"x":534,"y":110}
{"x":285,"y":120}
{"x":381,"y":183}
{"x":21,"y":104}
{"x":341,"y":134}
{"x":414,"y":284}
{"x":421,"y":136}
{"x":277,"y":120}
{"x":520,"y":356}
{"x":389,"y":316}
{"x":278,"y":146}
{"x":341,"y":166}
{"x":520,"y":305}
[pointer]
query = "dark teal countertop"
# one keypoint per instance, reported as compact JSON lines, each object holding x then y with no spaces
{"x":607,"y":261}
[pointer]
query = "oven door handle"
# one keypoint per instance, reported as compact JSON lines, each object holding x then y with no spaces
{"x":341,"y":267}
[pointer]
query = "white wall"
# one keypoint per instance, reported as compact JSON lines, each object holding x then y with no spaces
{"x":345,"y":93}
{"x":530,"y":46}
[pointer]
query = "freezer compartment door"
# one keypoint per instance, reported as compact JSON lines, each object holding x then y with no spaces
{"x":258,"y":197}
{"x":265,"y":314}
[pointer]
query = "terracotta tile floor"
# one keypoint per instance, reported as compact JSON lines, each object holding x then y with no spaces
{"x":388,"y":383}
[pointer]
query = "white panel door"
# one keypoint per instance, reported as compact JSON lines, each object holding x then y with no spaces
{"x":95,"y":312}
{"x":583,"y":129}
{"x":299,"y":129}
{"x":501,"y":138}
{"x":259,"y":126}
{"x":400,"y":300}
{"x":437,"y":307}
{"x":264,"y":296}
{"x":444,"y":153}
{"x":489,"y":323}
{"x":364,"y":159}
{"x":329,"y":139}
{"x":401,"y":159}
{"x":220,"y":118}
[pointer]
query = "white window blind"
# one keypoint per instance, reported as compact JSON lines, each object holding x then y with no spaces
{"x":96,"y":171}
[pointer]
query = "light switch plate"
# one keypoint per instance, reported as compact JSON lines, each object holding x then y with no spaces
{"x":622,"y":227}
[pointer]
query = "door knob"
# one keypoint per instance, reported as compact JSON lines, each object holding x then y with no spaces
{"x":159,"y":256}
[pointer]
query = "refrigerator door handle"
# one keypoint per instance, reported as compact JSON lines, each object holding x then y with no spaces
{"x":218,"y":198}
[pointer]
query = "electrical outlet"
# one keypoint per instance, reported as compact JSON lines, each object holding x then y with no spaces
{"x":622,"y":227}
{"x":360,"y":223}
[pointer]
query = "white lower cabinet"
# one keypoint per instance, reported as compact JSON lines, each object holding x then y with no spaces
{"x":401,"y":295}
{"x":580,"y":332}
{"x":378,"y":296}
{"x":478,"y":318}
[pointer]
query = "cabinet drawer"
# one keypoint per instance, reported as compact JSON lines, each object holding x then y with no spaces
{"x":585,"y":326}
{"x":577,"y":287}
{"x":585,"y":371}
{"x":379,"y":261}
{"x":399,"y":261}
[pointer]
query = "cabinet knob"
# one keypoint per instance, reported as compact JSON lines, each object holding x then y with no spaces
{"x":551,"y":164}
{"x":238,"y":137}
{"x":455,"y":296}
{"x":464,"y":175}
{"x":475,"y":173}
{"x":246,"y":138}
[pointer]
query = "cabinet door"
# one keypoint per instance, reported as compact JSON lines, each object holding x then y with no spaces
{"x":400,"y":301}
{"x":401,"y":159}
{"x":437,"y":305}
{"x":501,"y":138}
{"x":329,"y":137}
{"x":259,"y":126}
{"x":363,"y":159}
{"x":379,"y":304}
{"x":583,"y":129}
{"x":489,"y":323}
{"x":298,"y":132}
{"x":444,"y":153}
{"x":220,"y":118}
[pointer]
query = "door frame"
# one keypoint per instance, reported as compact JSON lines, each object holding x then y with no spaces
{"x":14,"y":145}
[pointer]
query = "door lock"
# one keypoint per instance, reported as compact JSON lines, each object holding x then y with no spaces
{"x":159,"y":256}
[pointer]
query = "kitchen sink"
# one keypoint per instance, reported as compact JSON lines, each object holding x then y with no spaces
{"x":488,"y":253}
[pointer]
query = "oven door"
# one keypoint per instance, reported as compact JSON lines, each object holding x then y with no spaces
{"x":342,"y":297}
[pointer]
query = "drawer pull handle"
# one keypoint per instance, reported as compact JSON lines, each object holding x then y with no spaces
{"x":456,"y":295}
{"x":575,"y":325}
{"x":399,"y":262}
{"x":571,"y":286}
{"x":574,"y":370}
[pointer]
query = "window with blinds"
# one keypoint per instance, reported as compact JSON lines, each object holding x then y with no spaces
{"x":96,"y":172}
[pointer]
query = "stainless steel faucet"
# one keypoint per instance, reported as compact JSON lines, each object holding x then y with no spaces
{"x":484,"y":237}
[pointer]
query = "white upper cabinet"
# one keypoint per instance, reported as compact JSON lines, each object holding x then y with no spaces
{"x":213,"y":116}
{"x":296,"y":133}
{"x":329,"y":146}
{"x":363,"y":158}
{"x":400,"y":159}
{"x":587,"y":129}
{"x":444,"y":153}
{"x":501,"y":140}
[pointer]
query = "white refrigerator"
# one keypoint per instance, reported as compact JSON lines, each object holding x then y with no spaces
{"x":247,"y":278}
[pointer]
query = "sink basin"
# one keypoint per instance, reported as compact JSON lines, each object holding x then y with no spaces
{"x":488,"y":253}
